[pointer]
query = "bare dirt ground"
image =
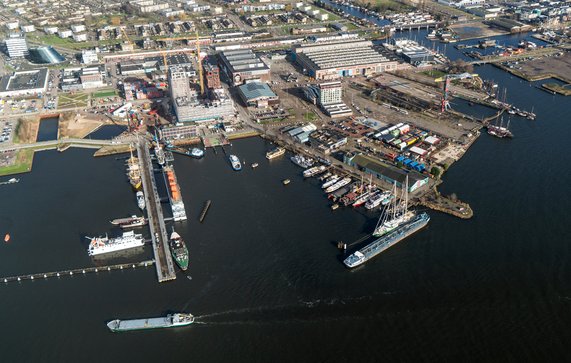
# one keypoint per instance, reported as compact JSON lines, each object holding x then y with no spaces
{"x":475,"y":30}
{"x":549,"y":66}
{"x":77,"y":125}
{"x":27,"y":130}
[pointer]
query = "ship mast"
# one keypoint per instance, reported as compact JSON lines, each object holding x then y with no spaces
{"x":405,"y":196}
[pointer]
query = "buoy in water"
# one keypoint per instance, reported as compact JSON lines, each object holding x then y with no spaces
{"x":6,"y":237}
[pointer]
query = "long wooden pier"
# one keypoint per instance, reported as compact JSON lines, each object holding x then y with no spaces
{"x":163,"y":260}
{"x":77,"y":271}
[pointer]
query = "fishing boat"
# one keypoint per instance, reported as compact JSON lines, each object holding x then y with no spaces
{"x":329,"y":182}
{"x":140,"y":200}
{"x":275,"y":153}
{"x":339,"y":184}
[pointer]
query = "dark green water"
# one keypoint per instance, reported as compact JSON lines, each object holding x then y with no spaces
{"x":267,"y":282}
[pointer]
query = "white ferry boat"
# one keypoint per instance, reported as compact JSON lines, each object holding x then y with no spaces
{"x":102,"y":245}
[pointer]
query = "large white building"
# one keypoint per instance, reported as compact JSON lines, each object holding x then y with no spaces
{"x":89,"y":57}
{"x":330,"y":93}
{"x":329,"y":61}
{"x":462,"y":3}
{"x":16,"y":45}
{"x":187,"y":106}
{"x":24,"y":83}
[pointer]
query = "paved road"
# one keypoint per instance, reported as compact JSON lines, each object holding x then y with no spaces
{"x":79,"y":142}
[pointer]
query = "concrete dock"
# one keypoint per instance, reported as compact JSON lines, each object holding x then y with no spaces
{"x":163,"y":260}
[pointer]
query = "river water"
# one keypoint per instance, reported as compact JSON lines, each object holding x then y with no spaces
{"x":267,"y":283}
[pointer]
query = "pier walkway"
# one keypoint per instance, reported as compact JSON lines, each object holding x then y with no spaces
{"x":163,"y":261}
{"x":77,"y":271}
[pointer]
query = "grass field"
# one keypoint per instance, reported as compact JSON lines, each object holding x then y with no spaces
{"x":104,"y":93}
{"x":72,"y":100}
{"x":309,"y":116}
{"x":434,"y":73}
{"x":52,"y":39}
{"x":23,"y":163}
{"x":384,"y":5}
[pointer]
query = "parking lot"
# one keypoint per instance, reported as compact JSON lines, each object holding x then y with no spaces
{"x":7,"y":128}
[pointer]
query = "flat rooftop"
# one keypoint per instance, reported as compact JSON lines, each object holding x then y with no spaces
{"x":21,"y":81}
{"x":341,"y":54}
{"x":256,"y":90}
{"x":242,"y":60}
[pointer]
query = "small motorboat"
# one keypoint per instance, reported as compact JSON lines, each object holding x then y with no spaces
{"x":6,"y":237}
{"x":286,"y":181}
{"x":254,"y":165}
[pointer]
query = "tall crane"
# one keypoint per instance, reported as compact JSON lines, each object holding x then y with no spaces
{"x":445,"y":104}
{"x":127,"y":37}
{"x":200,"y":79}
{"x":166,"y":64}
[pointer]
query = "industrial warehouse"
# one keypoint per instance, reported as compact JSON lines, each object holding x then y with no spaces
{"x":345,"y":58}
{"x":24,"y":83}
{"x":243,"y":65}
{"x":388,"y":173}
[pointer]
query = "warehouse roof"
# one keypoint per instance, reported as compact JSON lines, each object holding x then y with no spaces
{"x":388,"y":171}
{"x":341,"y":54}
{"x":256,"y":90}
{"x":241,"y":60}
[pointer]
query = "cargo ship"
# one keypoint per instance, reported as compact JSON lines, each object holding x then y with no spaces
{"x":275,"y":153}
{"x":236,"y":165}
{"x":130,"y":222}
{"x":390,"y":239}
{"x":169,"y":321}
{"x":179,"y":251}
{"x":102,"y":245}
{"x":177,"y":205}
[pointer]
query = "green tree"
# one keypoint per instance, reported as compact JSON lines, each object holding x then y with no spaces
{"x":435,"y":171}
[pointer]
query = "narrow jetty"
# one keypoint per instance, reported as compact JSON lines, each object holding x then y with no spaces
{"x":205,"y":210}
{"x":163,"y":261}
{"x":436,"y":201}
{"x":77,"y":271}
